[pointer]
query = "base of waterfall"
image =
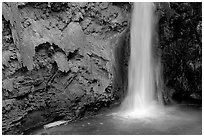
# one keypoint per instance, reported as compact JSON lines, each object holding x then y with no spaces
{"x":148,"y":112}
{"x":177,"y":120}
{"x":151,"y":111}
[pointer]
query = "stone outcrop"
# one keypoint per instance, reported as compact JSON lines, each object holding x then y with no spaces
{"x":61,"y":61}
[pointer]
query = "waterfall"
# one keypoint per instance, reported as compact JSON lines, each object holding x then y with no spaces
{"x":143,"y":74}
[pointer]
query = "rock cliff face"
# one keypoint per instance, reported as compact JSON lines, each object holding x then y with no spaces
{"x":61,"y":61}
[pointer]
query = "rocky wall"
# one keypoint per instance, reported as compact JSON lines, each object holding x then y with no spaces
{"x":61,"y":61}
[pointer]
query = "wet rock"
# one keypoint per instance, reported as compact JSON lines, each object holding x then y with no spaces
{"x":81,"y":4}
{"x":33,"y":119}
{"x":103,"y":5}
{"x":8,"y":84}
{"x":196,"y":96}
{"x":70,"y":66}
{"x":6,"y":103}
{"x":77,"y":17}
{"x":56,"y":123}
{"x":6,"y":57}
{"x":40,"y":87}
{"x":61,"y":61}
{"x":23,"y":91}
{"x":75,"y":91}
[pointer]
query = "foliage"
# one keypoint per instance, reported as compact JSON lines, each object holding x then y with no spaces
{"x":180,"y":27}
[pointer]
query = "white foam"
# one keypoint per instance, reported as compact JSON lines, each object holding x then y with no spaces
{"x":140,"y":100}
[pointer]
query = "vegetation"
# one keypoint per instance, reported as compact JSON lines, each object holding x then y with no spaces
{"x":180,"y":34}
{"x":64,"y":60}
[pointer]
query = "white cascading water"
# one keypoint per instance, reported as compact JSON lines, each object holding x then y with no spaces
{"x":141,"y":98}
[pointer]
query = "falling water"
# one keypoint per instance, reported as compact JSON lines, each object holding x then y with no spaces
{"x":141,"y":98}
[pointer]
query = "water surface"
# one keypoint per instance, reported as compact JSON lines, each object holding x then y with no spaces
{"x":181,"y":120}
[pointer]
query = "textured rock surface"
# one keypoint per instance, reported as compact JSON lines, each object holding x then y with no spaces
{"x":61,"y":61}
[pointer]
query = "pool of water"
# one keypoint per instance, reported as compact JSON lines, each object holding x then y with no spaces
{"x":180,"y":120}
